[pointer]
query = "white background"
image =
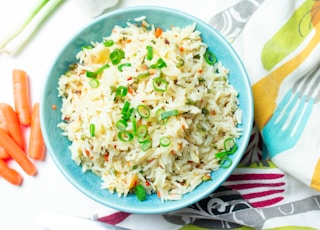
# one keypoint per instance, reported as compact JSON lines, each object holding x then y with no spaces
{"x":49,"y":191}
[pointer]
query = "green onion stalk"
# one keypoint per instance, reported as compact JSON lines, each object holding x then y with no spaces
{"x":14,"y":42}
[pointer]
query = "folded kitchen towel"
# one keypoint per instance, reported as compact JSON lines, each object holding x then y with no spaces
{"x":277,"y":184}
{"x":280,"y":48}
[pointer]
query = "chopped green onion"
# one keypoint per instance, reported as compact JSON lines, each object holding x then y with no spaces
{"x":197,"y":56}
{"x":206,"y":178}
{"x":233,"y":149}
{"x":120,"y":67}
{"x":205,"y":111}
{"x":180,"y":61}
{"x":142,"y":131}
{"x":102,"y":68}
{"x":125,"y":136}
{"x":134,"y":124}
{"x":143,"y":111}
{"x":165,"y":141}
{"x":161,"y":63}
{"x":140,"y":192}
{"x":143,"y":75}
{"x":95,"y":74}
{"x":221,"y":155}
{"x":210,"y":57}
{"x":126,"y":112}
{"x":121,"y":91}
{"x":121,"y":124}
{"x":146,"y":145}
{"x":160,"y":84}
{"x":113,"y":89}
{"x":144,"y":139}
{"x":201,"y":127}
{"x":158,"y":117}
{"x":91,"y":74}
{"x":92,"y":130}
{"x":230,"y":145}
{"x":125,"y":108}
{"x":94,"y":83}
{"x":190,"y":102}
{"x":73,"y":66}
{"x":167,"y":114}
{"x":113,"y":171}
{"x":88,"y":47}
{"x":116,"y":56}
{"x":225,"y":162}
{"x":108,"y":43}
{"x":149,"y":53}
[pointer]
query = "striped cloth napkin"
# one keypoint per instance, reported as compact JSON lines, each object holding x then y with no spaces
{"x":277,"y":183}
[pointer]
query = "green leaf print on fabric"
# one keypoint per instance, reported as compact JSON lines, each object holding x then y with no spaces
{"x":292,"y":228}
{"x":289,"y":37}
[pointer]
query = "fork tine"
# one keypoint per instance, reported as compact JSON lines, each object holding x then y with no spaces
{"x":308,"y":84}
{"x":298,"y":128}
{"x":297,"y":114}
{"x":315,"y":87}
{"x":285,"y":107}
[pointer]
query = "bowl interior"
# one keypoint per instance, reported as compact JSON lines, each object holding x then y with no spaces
{"x":57,"y":145}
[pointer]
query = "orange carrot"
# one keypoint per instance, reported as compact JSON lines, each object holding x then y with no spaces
{"x":3,"y":154}
{"x":9,"y":174}
{"x":21,"y":92}
{"x":158,"y":32}
{"x":16,"y":153}
{"x":12,"y":124}
{"x":36,"y":144}
{"x":3,"y":122}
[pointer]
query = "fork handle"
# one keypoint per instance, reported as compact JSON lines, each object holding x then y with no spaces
{"x":265,"y":91}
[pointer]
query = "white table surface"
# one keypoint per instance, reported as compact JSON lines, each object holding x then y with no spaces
{"x":49,"y":191}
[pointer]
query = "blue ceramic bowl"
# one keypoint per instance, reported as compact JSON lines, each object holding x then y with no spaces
{"x":57,"y":145}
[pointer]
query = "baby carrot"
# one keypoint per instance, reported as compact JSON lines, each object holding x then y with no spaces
{"x":21,"y":92}
{"x":36,"y":143}
{"x":12,"y":124}
{"x":16,"y":153}
{"x":2,"y":121}
{"x":9,"y":174}
{"x":3,"y":154}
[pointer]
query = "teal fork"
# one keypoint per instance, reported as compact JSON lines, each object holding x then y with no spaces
{"x":287,"y":124}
